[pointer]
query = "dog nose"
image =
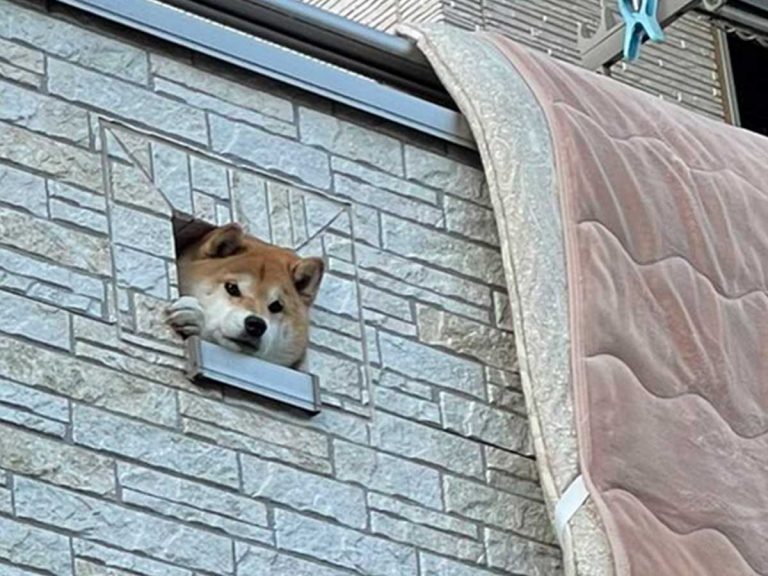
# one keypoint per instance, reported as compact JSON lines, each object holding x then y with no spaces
{"x":255,"y":326}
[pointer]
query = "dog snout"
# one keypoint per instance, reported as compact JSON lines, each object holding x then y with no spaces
{"x":255,"y":326}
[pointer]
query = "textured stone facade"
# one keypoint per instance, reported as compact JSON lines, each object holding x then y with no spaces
{"x":112,"y":463}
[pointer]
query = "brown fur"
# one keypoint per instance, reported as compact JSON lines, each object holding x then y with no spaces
{"x":263,"y":273}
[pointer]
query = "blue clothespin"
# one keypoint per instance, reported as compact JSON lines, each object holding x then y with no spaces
{"x":641,"y":21}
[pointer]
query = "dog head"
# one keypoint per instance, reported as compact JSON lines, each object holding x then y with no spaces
{"x":255,"y":296}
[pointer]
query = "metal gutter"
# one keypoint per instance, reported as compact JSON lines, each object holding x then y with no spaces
{"x":329,"y":37}
{"x":286,"y":65}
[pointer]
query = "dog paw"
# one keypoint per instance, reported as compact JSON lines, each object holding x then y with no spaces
{"x":186,"y":316}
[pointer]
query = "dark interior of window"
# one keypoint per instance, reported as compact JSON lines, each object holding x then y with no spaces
{"x":749,"y":63}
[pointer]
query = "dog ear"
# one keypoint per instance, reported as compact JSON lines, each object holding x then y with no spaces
{"x":222,"y":242}
{"x":307,"y":274}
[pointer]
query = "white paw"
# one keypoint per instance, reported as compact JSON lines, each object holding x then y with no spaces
{"x":186,"y":316}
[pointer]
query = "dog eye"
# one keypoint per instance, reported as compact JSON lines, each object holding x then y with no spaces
{"x":276,"y":307}
{"x":232,"y":289}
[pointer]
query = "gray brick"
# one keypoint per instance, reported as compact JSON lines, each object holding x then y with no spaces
{"x":6,"y":501}
{"x":72,"y":42}
{"x":34,"y":547}
{"x":257,"y":425}
{"x":389,"y":379}
{"x":141,"y":271}
{"x":270,"y":152}
{"x":304,"y":491}
{"x":258,"y":561}
{"x":343,"y":547}
{"x":388,"y":323}
{"x":507,"y":511}
{"x":406,"y":406}
{"x":76,"y":196}
{"x":390,"y":284}
{"x":509,"y":463}
{"x":170,"y":168}
{"x":38,"y":367}
{"x":427,"y":538}
{"x":478,"y":420}
{"x":249,"y":194}
{"x":23,"y":189}
{"x":149,"y":314}
{"x":121,"y":527}
{"x":196,"y":516}
{"x":322,"y":214}
{"x":387,"y":202}
{"x":505,"y":379}
{"x":419,"y":515}
{"x":336,"y":323}
{"x":386,"y":473}
{"x":42,"y":113}
{"x":210,"y":177}
{"x":34,"y":320}
{"x":338,"y":295}
{"x":80,"y":217}
{"x":32,"y":421}
{"x":502,"y":311}
{"x":484,"y":343}
{"x":126,"y":100}
{"x":445,"y":174}
{"x":336,"y":375}
{"x":351,"y":140}
{"x":34,"y":455}
{"x":62,"y":245}
{"x":223,"y":108}
{"x":22,"y":56}
{"x":134,"y":360}
{"x":63,"y":299}
{"x":470,"y":220}
{"x":424,"y":277}
{"x":151,"y":234}
{"x":243,"y":443}
{"x":242,"y":95}
{"x":345,"y":345}
{"x":164,"y":449}
{"x":420,"y":442}
{"x":383,"y":180}
{"x":280,"y":197}
{"x":41,"y":403}
{"x":512,"y":553}
{"x":436,"y":566}
{"x":122,"y":143}
{"x":438,"y":249}
{"x":204,"y":207}
{"x":514,"y":485}
{"x":86,"y":568}
{"x":20,"y":75}
{"x":131,"y":186}
{"x":386,"y":303}
{"x":507,"y":399}
{"x":192,"y":494}
{"x":424,"y":363}
{"x":111,"y":558}
{"x":57,"y":159}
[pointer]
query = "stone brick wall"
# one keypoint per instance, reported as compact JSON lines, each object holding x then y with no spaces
{"x":112,"y":463}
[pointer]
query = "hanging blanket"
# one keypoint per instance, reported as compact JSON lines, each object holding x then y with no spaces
{"x":635,"y":239}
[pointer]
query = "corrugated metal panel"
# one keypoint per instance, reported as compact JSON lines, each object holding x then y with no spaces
{"x":683,"y":69}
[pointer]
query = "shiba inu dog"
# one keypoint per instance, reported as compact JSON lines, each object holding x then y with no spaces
{"x":246,"y":295}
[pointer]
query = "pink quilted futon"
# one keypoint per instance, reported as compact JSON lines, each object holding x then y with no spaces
{"x":649,"y":224}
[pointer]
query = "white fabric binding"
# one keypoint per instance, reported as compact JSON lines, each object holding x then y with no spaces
{"x":570,"y":501}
